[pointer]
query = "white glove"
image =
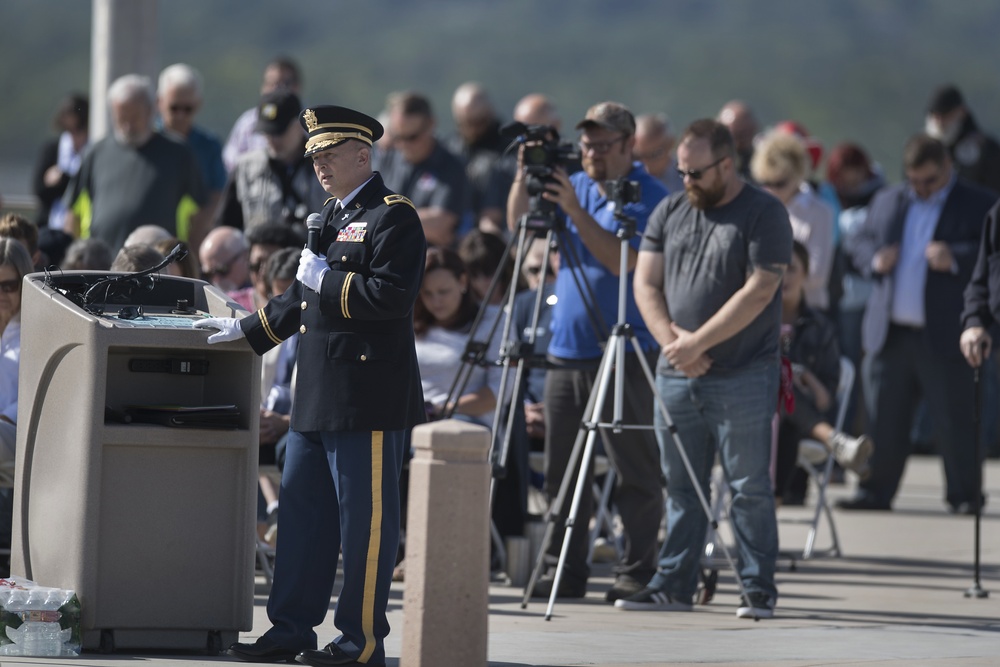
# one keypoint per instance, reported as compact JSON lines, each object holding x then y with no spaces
{"x":229,"y":328}
{"x":312,"y":268}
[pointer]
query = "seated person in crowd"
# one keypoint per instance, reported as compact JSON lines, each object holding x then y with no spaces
{"x":18,"y":227}
{"x":264,"y":240}
{"x":277,"y":370}
{"x":224,"y":257}
{"x":133,"y":258}
{"x":809,"y":341}
{"x":15,"y":263}
{"x":91,"y":254}
{"x":442,"y":321}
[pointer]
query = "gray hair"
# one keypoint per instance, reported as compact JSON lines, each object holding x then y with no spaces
{"x":14,"y":253}
{"x":180,"y":76}
{"x":132,"y":87}
{"x":91,"y":253}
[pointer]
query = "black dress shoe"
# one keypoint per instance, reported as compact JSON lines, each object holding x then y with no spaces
{"x":262,"y":650}
{"x":862,"y":503}
{"x":330,"y":655}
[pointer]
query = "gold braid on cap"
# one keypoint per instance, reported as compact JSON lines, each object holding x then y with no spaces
{"x":331,"y":139}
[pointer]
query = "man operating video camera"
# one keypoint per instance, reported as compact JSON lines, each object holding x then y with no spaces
{"x":587,"y":285}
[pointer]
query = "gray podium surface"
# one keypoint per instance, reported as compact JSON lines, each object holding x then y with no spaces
{"x":152,"y":525}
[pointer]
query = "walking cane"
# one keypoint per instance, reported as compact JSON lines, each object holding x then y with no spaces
{"x":976,"y":590}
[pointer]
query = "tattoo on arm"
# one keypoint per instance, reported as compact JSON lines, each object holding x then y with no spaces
{"x":776,"y":269}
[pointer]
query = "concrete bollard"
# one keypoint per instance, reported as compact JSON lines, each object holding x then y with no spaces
{"x":446,"y":596}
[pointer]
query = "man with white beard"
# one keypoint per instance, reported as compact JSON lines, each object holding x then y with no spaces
{"x":135,"y":176}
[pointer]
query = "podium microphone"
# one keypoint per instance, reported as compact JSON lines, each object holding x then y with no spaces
{"x":314,"y":223}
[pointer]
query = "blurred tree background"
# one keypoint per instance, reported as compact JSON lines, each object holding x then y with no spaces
{"x":858,"y":70}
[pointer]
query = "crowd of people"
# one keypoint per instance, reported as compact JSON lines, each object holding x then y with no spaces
{"x":756,"y":259}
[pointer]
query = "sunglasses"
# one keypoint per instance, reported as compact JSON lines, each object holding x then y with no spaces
{"x":222,"y":269}
{"x":182,"y":108}
{"x":9,"y":286}
{"x":533,"y":270}
{"x":775,"y":185}
{"x":696,"y":174}
{"x":408,"y":138}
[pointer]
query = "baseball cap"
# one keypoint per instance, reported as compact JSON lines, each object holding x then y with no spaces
{"x":276,"y":111}
{"x":609,"y":115}
{"x":945,"y":99}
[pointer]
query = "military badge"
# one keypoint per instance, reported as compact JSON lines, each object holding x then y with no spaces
{"x":352,"y":233}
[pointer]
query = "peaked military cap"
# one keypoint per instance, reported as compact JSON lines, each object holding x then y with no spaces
{"x":329,"y":126}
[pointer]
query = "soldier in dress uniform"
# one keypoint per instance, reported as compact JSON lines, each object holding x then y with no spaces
{"x":358,"y":394}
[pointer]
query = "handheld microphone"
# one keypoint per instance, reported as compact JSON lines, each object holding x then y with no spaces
{"x":314,"y":223}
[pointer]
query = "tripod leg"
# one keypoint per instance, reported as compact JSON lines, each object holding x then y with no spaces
{"x":555,"y":508}
{"x":603,"y":382}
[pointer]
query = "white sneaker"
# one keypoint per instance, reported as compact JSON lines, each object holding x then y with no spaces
{"x":852,"y":453}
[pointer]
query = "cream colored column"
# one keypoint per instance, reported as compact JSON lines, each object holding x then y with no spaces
{"x":446,"y":598}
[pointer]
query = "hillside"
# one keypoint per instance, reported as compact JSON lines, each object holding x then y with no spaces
{"x":847,"y":69}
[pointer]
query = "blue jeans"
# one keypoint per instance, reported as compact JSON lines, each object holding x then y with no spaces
{"x":730,"y":413}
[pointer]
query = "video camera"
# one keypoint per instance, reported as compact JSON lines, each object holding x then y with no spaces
{"x":543,"y":153}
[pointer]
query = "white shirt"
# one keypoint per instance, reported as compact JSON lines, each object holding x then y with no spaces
{"x":439,"y":356}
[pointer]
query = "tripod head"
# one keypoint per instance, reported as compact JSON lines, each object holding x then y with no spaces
{"x":622,"y":192}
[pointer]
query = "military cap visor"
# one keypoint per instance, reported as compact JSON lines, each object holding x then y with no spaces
{"x":328,"y":126}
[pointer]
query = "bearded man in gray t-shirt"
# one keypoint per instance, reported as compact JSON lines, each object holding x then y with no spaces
{"x":706,"y":282}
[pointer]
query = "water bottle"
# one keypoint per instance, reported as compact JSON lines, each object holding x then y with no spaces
{"x":41,"y":638}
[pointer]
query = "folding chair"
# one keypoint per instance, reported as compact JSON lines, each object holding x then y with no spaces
{"x":818,"y":462}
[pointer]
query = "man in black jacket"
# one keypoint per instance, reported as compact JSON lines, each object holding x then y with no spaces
{"x":357,"y":395}
{"x":919,"y":244}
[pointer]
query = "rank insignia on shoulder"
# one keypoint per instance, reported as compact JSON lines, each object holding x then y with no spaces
{"x":352,"y":233}
{"x":399,"y":199}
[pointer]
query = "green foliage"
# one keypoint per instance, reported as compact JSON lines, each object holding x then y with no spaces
{"x":848,"y":69}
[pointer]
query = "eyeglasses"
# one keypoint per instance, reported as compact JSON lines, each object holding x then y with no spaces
{"x":10,"y":286}
{"x":696,"y":174}
{"x":182,"y":108}
{"x":599,"y":147}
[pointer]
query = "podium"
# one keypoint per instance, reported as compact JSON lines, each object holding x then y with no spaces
{"x":153,"y":526}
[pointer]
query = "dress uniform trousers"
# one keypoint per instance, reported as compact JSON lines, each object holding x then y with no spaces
{"x":338,"y":490}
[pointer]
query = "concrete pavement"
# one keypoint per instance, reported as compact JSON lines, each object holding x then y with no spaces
{"x":894,"y":598}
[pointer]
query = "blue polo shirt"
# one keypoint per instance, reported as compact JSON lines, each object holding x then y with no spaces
{"x":207,"y":151}
{"x":573,"y":335}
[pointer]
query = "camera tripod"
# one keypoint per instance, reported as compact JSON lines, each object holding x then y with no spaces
{"x":515,"y":353}
{"x":610,"y":370}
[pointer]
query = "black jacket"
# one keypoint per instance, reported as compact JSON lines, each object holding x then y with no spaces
{"x":982,"y":294}
{"x":357,"y":368}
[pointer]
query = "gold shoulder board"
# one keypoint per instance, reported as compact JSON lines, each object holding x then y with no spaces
{"x":328,"y":201}
{"x":399,"y":199}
